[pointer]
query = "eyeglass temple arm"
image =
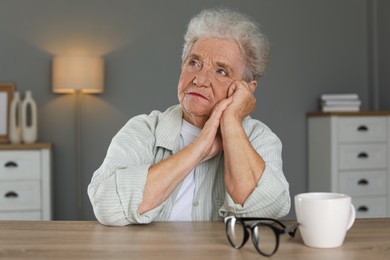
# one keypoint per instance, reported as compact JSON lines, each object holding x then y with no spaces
{"x":259,"y":219}
{"x":291,"y":230}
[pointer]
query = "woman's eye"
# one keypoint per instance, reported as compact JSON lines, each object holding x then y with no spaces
{"x":193,"y":63}
{"x":222,"y":72}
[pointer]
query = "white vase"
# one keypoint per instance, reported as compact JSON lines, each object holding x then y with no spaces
{"x":29,"y":119}
{"x":15,"y":119}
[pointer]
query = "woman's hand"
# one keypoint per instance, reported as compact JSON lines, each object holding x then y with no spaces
{"x":240,"y":102}
{"x":210,"y":139}
{"x":244,"y":101}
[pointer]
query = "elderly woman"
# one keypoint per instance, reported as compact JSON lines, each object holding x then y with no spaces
{"x":205,"y":158}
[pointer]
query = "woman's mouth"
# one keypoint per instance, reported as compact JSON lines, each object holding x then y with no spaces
{"x":196,"y":95}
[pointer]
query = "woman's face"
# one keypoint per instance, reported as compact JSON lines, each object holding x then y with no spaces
{"x":212,"y":65}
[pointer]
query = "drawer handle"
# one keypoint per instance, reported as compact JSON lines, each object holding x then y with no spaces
{"x":362,"y":155}
{"x":362,"y":128}
{"x":363,"y":209}
{"x":11,"y":194}
{"x":363,"y":182}
{"x":11,"y":164}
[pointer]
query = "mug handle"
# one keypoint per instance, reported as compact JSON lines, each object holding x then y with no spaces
{"x":351,"y":217}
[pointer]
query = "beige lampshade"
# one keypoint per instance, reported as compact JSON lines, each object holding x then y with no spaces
{"x":78,"y":73}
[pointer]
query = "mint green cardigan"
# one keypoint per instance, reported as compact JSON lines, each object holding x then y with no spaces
{"x":117,"y":186}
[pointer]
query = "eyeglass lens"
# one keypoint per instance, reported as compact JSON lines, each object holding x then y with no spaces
{"x":263,"y":236}
{"x":264,"y":239}
{"x":235,"y":231}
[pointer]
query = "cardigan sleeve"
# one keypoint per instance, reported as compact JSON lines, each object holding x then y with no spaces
{"x":271,"y":197}
{"x":117,"y":186}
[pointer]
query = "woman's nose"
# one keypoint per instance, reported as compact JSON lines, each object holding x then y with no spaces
{"x":202,"y":79}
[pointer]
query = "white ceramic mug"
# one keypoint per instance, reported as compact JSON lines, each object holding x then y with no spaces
{"x":324,"y":218}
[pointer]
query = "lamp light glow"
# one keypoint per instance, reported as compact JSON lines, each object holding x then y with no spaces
{"x":84,"y":74}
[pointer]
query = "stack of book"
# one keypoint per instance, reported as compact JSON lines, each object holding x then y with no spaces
{"x":340,"y":102}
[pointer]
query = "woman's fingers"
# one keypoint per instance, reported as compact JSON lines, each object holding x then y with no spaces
{"x":244,"y":100}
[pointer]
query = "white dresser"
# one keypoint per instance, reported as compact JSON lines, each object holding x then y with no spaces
{"x":349,"y":153}
{"x":25,"y":182}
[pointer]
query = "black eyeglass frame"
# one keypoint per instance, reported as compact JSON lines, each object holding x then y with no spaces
{"x":282,"y":229}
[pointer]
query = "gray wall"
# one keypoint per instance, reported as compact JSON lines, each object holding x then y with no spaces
{"x":317,"y":46}
{"x":384,"y":54}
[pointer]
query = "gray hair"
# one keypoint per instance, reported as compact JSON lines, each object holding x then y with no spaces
{"x":228,"y":24}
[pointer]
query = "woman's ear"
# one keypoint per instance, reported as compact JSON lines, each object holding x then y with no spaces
{"x":253,"y":85}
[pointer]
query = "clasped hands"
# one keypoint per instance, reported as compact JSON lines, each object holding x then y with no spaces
{"x":227,"y":113}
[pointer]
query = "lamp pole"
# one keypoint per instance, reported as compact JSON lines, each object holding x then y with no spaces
{"x":78,"y":74}
{"x":78,"y":176}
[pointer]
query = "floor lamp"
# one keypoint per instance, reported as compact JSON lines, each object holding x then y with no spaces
{"x":78,"y":75}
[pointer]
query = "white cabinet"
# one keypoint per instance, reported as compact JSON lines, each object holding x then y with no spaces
{"x":350,"y":153}
{"x":25,"y":182}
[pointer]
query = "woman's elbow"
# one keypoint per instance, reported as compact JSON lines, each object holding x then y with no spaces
{"x":283,"y":205}
{"x":107,"y":211}
{"x":115,"y":219}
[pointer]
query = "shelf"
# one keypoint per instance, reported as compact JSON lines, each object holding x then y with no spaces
{"x":359,"y":113}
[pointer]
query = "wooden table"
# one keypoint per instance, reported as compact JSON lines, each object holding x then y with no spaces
{"x":367,"y":239}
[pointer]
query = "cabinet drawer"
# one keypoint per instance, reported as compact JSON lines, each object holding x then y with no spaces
{"x":362,"y":129}
{"x":19,"y":165}
{"x":20,"y":195}
{"x":370,"y":206}
{"x":369,"y":156}
{"x":363,"y":183}
{"x":21,"y":215}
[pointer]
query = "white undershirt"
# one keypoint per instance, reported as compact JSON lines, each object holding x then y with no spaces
{"x":182,"y":208}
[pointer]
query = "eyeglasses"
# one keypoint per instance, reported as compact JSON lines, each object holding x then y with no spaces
{"x":265,"y":233}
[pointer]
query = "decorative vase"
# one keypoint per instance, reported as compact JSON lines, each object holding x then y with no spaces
{"x":15,"y":119}
{"x":29,"y":119}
